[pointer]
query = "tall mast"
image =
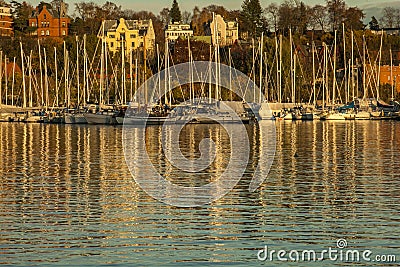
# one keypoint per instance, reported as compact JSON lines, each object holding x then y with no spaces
{"x":105,"y":72}
{"x":56,"y":74}
{"x":379,"y":67}
{"x":190,"y":70}
{"x":294,"y":77}
{"x":23,"y":75}
{"x":77,"y":73}
{"x":352,"y":64}
{"x":291,"y":66}
{"x":334,"y":73}
{"x":102,"y":67}
{"x":313,"y":70}
{"x":277,"y":69}
{"x":30,"y":79}
{"x":254,"y":71}
{"x":326,"y":75}
{"x":46,"y":82}
{"x":65,"y":77}
{"x":41,"y":73}
{"x":391,"y":73}
{"x":12,"y":84}
{"x":123,"y":93}
{"x":261,"y":64}
{"x":158,"y":71}
{"x":6,"y":77}
{"x":136,"y":78}
{"x":230,"y":73}
{"x":84,"y":71}
{"x":166,"y":74}
{"x":169,"y":82}
{"x":323,"y":77}
{"x":131,"y":74}
{"x":67,"y":80}
{"x":280,"y":68}
{"x":216,"y":55}
{"x":145,"y":69}
{"x":364,"y":77}
{"x":345,"y":65}
{"x":209,"y":76}
{"x":266,"y":78}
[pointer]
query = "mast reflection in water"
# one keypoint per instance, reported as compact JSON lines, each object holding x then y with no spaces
{"x":67,"y":196}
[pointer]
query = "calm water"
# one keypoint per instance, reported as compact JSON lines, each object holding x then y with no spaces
{"x":68,"y":198}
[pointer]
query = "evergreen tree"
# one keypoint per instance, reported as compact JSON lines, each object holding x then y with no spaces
{"x":175,"y":14}
{"x":21,"y":13}
{"x":252,"y":16}
{"x":373,"y":24}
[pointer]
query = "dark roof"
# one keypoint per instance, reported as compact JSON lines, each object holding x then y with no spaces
{"x":53,"y":12}
{"x":142,"y":25}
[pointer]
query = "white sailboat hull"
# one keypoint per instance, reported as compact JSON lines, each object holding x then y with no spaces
{"x":333,"y":117}
{"x":75,"y":118}
{"x":100,"y":118}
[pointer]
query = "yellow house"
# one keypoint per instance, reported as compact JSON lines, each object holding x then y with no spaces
{"x":228,"y":31}
{"x":129,"y":34}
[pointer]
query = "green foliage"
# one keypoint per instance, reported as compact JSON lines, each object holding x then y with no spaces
{"x":373,"y":24}
{"x":175,"y":14}
{"x":42,"y":4}
{"x":21,"y":13}
{"x":252,"y":17}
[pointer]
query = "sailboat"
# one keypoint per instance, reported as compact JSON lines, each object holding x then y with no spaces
{"x":76,"y":116}
{"x":101,"y":114}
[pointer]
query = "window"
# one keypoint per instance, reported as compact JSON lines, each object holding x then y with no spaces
{"x":133,"y":44}
{"x":42,"y":32}
{"x":47,"y":32}
{"x":63,"y":32}
{"x":63,"y":23}
{"x":44,"y":16}
{"x":112,"y":44}
{"x":33,"y":24}
{"x":133,"y":35}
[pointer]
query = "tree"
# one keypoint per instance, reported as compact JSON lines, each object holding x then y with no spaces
{"x":319,"y":17}
{"x":272,"y":12}
{"x":164,"y":16}
{"x":252,"y":17}
{"x":42,"y":4}
{"x":21,"y":13}
{"x":353,"y":18}
{"x":110,"y":11}
{"x":175,"y":13}
{"x":373,"y":24}
{"x":58,"y":5}
{"x":286,"y":16}
{"x":336,"y":12}
{"x":186,"y":17}
{"x":88,"y":12}
{"x":302,"y":18}
{"x":390,"y":17}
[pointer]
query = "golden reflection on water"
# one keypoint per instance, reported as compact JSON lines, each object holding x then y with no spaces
{"x":68,"y":186}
